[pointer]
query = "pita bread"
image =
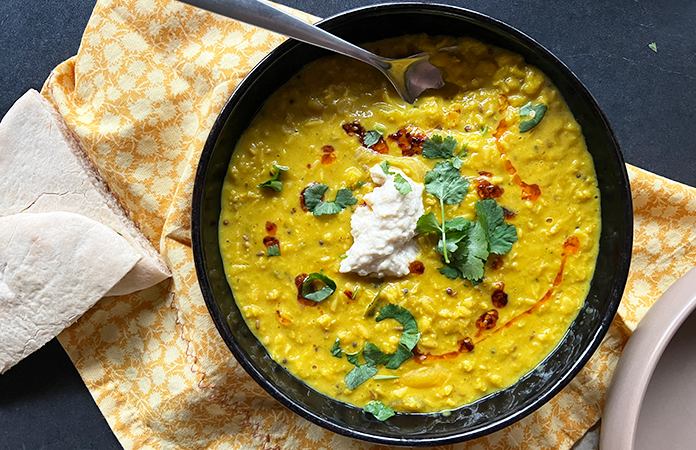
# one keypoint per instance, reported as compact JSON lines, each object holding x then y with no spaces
{"x":52,"y":270}
{"x":45,"y":168}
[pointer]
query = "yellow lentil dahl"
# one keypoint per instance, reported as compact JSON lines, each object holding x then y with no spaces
{"x":475,"y":339}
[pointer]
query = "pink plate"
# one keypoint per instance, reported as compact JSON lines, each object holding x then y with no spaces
{"x":651,"y":402}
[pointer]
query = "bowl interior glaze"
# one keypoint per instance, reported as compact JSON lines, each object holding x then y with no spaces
{"x":494,"y":411}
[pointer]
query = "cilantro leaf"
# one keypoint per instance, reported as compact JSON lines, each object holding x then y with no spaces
{"x":403,"y":186}
{"x":435,"y":147}
{"x":385,"y":167}
{"x":446,"y":246}
{"x":273,"y":250}
{"x":373,"y":354}
{"x":325,"y":208}
{"x":526,"y":110}
{"x":379,"y":410}
{"x":274,"y":183}
{"x":502,"y":239}
{"x":499,"y":234}
{"x":359,"y":375}
{"x":462,"y":152}
{"x":344,"y":198}
{"x":653,"y":46}
{"x":409,"y":340}
{"x":371,"y":138}
{"x":450,"y":272}
{"x":400,"y":183}
{"x":445,"y":183}
{"x":536,"y":113}
{"x":427,"y":223}
{"x":354,"y":358}
{"x":318,"y":207}
{"x":477,"y":244}
{"x":469,"y":266}
{"x":397,"y":358}
{"x":321,"y":294}
{"x":385,"y":377}
{"x":470,"y":257}
{"x":489,"y":215}
{"x":401,"y":315}
{"x":409,"y":335}
{"x":336,"y":349}
{"x":468,"y":243}
{"x":458,"y":224}
{"x":456,"y":230}
{"x":313,"y":195}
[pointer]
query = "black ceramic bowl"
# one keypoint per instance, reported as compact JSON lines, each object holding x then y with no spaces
{"x":494,"y":411}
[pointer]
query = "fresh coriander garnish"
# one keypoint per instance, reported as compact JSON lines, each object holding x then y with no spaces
{"x":436,"y":147}
{"x":385,"y":167}
{"x":484,"y":130}
{"x":469,"y":255}
{"x":400,"y":183}
{"x":321,"y":294}
{"x":359,"y":375}
{"x":354,"y":358}
{"x":318,"y":207}
{"x":500,"y":235}
{"x":379,"y":410}
{"x":653,"y":46}
{"x":385,"y":377}
{"x":445,"y":183}
{"x":371,"y":138}
{"x":372,"y":307}
{"x":462,"y":151}
{"x":470,"y":243}
{"x":274,"y":183}
{"x":336,"y":349}
{"x":409,"y":336}
{"x":273,"y":250}
{"x":403,"y":186}
{"x":535,"y":114}
{"x":374,"y":356}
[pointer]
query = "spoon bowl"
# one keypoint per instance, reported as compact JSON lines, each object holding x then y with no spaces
{"x":411,"y":76}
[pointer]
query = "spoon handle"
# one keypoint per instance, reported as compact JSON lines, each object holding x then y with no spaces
{"x":263,"y":15}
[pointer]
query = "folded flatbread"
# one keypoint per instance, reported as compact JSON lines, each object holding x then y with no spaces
{"x":45,"y":168}
{"x":53,"y":267}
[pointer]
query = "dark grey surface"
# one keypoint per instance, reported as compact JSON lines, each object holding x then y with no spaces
{"x":647,"y":96}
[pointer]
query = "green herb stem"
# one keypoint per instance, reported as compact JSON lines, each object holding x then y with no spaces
{"x":444,"y":234}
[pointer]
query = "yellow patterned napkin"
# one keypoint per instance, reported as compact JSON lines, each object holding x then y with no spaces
{"x":142,"y":93}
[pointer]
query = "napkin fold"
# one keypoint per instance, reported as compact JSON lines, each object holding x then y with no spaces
{"x":142,"y":93}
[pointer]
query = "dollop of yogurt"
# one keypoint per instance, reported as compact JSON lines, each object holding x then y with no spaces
{"x":383,"y":229}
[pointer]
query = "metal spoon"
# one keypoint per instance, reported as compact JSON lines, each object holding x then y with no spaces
{"x":410,"y":76}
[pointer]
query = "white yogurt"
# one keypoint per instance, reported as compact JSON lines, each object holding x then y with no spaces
{"x":383,"y":229}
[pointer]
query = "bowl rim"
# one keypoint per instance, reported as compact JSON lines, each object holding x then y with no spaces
{"x":223,"y":327}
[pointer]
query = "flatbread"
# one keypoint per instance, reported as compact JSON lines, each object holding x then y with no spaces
{"x":53,"y":267}
{"x":45,"y":168}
